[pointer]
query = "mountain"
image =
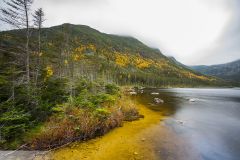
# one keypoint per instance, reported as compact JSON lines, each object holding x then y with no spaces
{"x":228,"y":71}
{"x":78,"y":50}
{"x":177,"y":62}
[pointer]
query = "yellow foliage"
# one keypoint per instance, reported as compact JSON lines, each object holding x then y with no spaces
{"x":77,"y":57}
{"x":81,"y":49}
{"x":39,"y":54}
{"x":121,"y":59}
{"x":142,"y":63}
{"x":49,"y":70}
{"x":191,"y":75}
{"x":162,"y":64}
{"x":65,"y":62}
{"x":78,"y":53}
{"x":92,"y":47}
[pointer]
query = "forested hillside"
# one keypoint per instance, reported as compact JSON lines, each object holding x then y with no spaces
{"x":84,"y":51}
{"x":228,"y":71}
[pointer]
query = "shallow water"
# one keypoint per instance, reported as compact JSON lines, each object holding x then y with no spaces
{"x":210,"y":124}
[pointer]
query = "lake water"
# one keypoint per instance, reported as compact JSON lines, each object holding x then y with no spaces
{"x":209,"y":122}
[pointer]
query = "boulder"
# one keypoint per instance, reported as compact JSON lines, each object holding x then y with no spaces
{"x":192,"y":100}
{"x":180,"y":122}
{"x":131,"y":90}
{"x":133,"y":93}
{"x":158,"y":100}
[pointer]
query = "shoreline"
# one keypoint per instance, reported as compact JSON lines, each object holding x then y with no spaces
{"x":127,"y":142}
{"x":146,"y":138}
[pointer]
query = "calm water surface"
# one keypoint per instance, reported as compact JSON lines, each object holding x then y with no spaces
{"x":210,"y":124}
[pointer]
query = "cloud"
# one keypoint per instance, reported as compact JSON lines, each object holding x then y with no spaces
{"x":226,"y":48}
{"x":193,"y":31}
{"x":71,"y":2}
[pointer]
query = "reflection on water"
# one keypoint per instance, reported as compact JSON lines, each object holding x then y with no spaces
{"x":209,"y":122}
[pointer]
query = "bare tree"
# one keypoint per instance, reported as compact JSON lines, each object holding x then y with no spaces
{"x":38,"y":22}
{"x":16,"y":14}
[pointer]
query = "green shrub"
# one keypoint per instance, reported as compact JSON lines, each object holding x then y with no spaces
{"x":92,"y":95}
{"x":80,"y":85}
{"x":54,"y":91}
{"x":83,"y":100}
{"x":13,"y":124}
{"x":102,"y":98}
{"x":58,"y":109}
{"x":102,"y":112}
{"x":112,"y":89}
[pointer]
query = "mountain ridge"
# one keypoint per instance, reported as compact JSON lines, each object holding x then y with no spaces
{"x":125,"y":58}
{"x":229,"y":71}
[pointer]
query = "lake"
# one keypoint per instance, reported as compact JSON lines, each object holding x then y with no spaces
{"x":208,"y":120}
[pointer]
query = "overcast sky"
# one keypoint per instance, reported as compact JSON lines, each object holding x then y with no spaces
{"x":193,"y":31}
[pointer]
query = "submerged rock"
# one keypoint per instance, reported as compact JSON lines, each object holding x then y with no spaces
{"x":131,"y":90}
{"x":154,"y":93}
{"x":158,"y":100}
{"x":180,"y":122}
{"x":133,"y":93}
{"x":192,"y":100}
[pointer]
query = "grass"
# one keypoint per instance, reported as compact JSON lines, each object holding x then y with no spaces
{"x":74,"y":123}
